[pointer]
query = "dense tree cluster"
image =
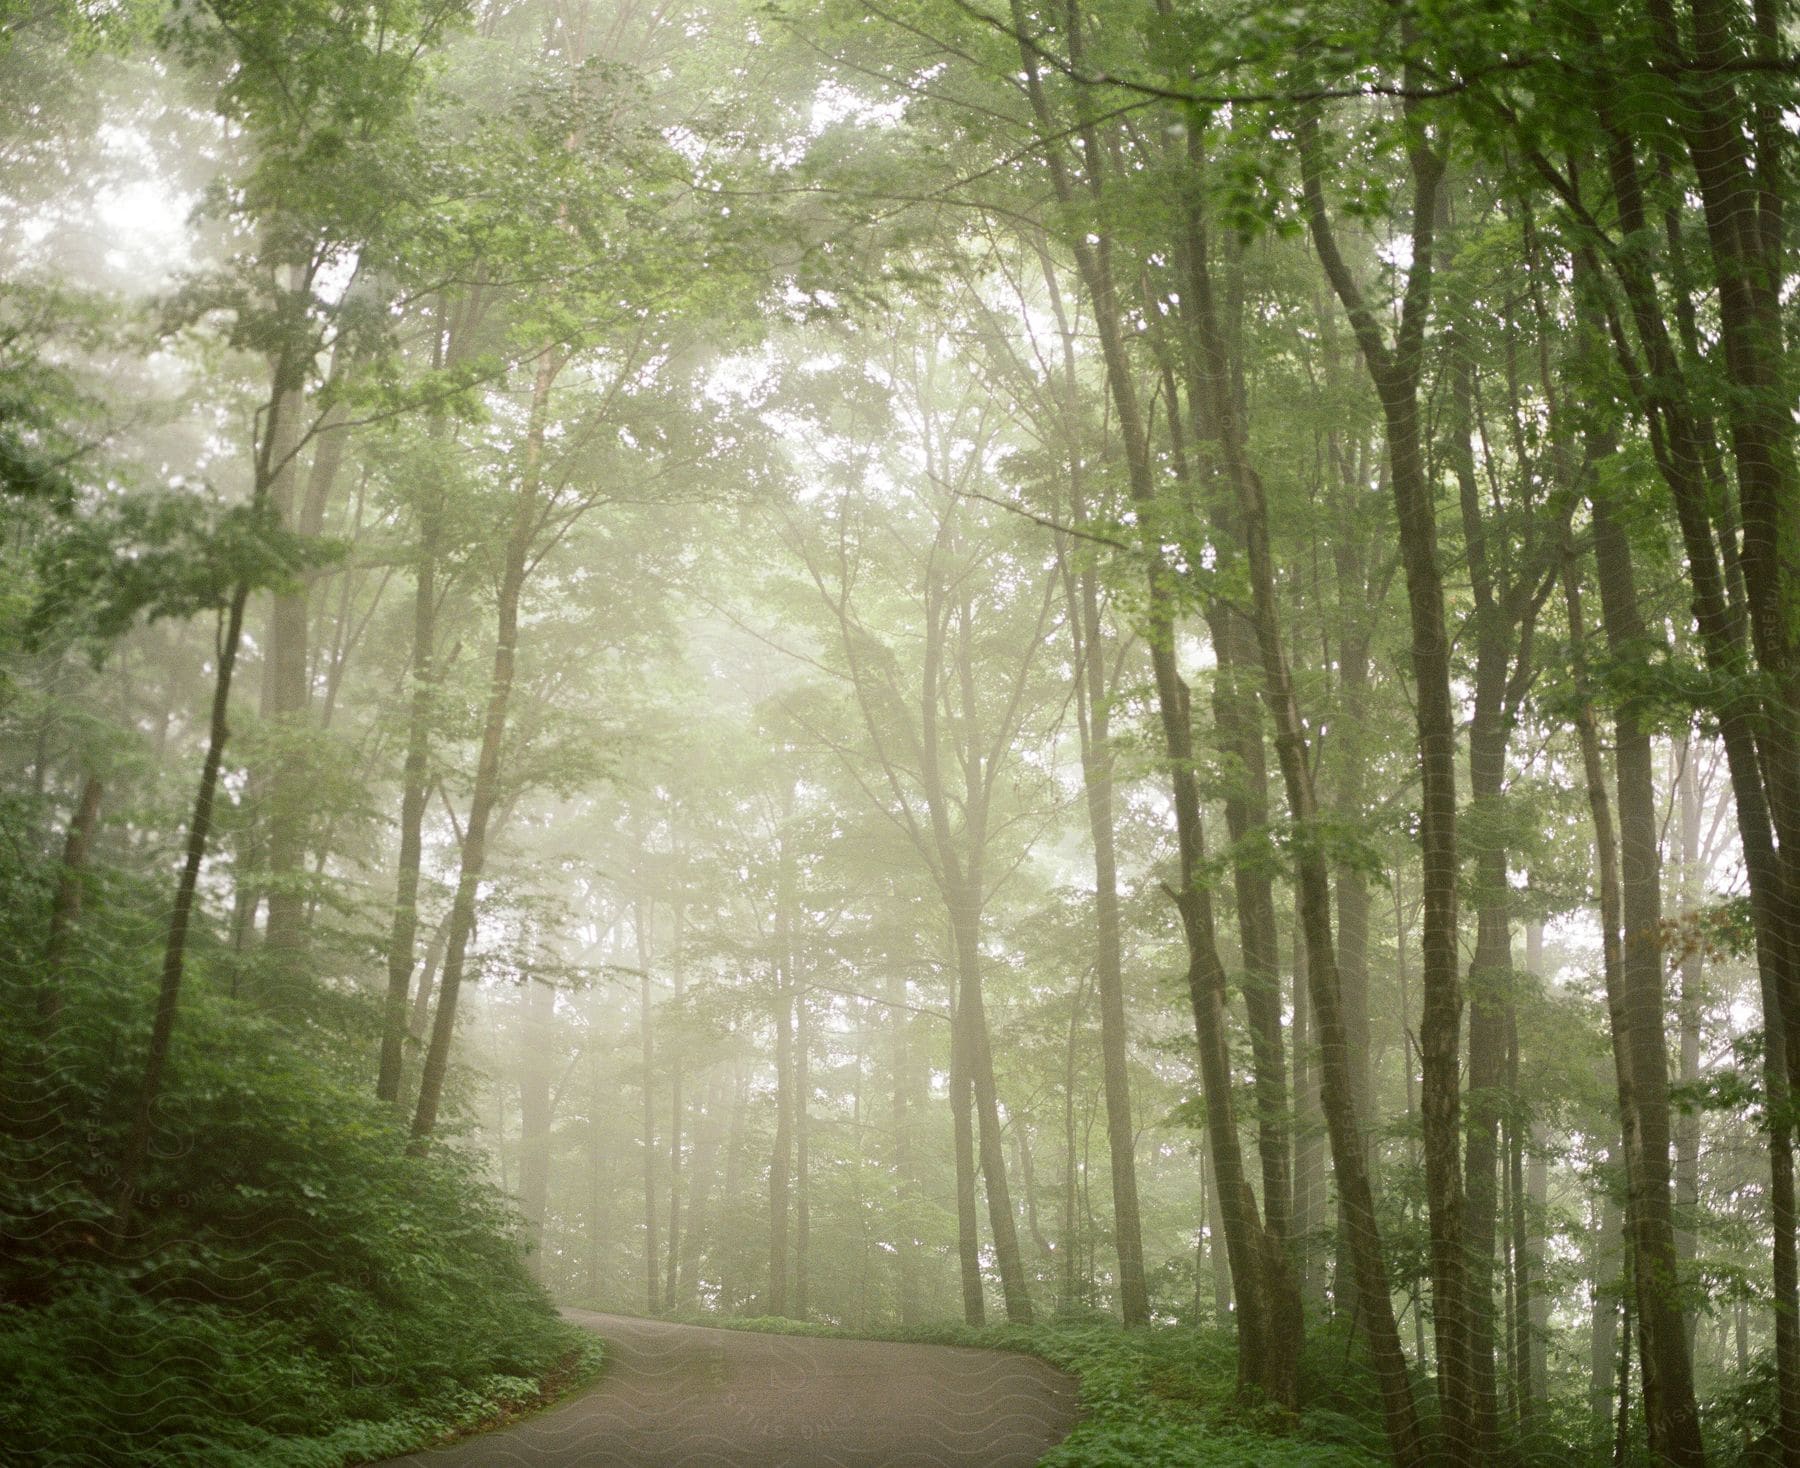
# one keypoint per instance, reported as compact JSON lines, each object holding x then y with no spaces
{"x":1127,"y":660}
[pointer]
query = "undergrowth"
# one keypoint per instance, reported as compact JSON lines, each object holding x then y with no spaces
{"x":296,"y":1290}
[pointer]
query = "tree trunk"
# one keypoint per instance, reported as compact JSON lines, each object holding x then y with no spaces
{"x":1309,"y":1132}
{"x":414,"y":792}
{"x":1768,"y":813}
{"x":1669,"y":1404}
{"x":65,"y":904}
{"x":1344,"y":1126}
{"x":708,"y":1130}
{"x":780,"y":1160}
{"x":419,"y":1020}
{"x":1093,"y":720}
{"x":642,"y":923}
{"x":1604,"y":1260}
{"x":270,"y":458}
{"x":1242,"y":1223}
{"x":730,"y":1297}
{"x":672,"y":1283}
{"x":906,"y":1262}
{"x":1069,"y":1246}
{"x":1691,"y":973}
{"x":536,"y":1035}
{"x":284,"y":700}
{"x":1536,"y":1391}
{"x":802,"y":1169}
{"x":414,"y":787}
{"x":1396,"y":371}
{"x":487,"y":770}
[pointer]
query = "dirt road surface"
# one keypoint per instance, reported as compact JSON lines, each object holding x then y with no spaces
{"x":683,"y":1396}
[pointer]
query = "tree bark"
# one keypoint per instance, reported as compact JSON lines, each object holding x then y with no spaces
{"x":65,"y":904}
{"x":1396,"y":369}
{"x":1094,"y":727}
{"x":1669,"y":1405}
{"x":1242,"y":1224}
{"x":513,"y":574}
{"x":1344,"y":1126}
{"x":272,"y":456}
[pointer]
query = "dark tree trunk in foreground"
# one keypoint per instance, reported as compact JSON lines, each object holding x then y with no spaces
{"x":1344,"y":1126}
{"x":1266,"y":1355}
{"x":1396,"y":370}
{"x":1669,"y":1405}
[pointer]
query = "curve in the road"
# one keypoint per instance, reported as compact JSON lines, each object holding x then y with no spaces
{"x":684,"y":1396}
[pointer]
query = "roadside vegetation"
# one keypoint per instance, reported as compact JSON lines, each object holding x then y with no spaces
{"x":296,"y":1288}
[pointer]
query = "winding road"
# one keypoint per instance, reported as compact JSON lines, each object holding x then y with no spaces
{"x":684,"y":1396}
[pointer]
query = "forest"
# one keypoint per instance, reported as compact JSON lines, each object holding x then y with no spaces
{"x":1115,"y":679}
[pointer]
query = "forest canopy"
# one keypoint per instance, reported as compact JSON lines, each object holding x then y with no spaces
{"x":1129,"y":666}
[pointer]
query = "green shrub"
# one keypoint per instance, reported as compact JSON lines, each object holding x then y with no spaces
{"x":297,"y":1288}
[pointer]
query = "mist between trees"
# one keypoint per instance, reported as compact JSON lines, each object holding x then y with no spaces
{"x":1116,"y":662}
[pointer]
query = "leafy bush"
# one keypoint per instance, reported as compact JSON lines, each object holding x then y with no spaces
{"x":296,"y":1288}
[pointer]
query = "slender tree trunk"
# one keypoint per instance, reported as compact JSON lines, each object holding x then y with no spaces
{"x":729,"y":1295}
{"x":1344,"y":1127}
{"x":1498,"y":637}
{"x":1669,"y":1405}
{"x":487,"y":770}
{"x":1520,"y":1278}
{"x":708,"y":1132}
{"x":1215,"y":1241}
{"x":802,"y":1168}
{"x":1604,"y":1261}
{"x":287,"y":697}
{"x":419,"y":1020}
{"x":1309,"y":1133}
{"x":1242,"y":1223}
{"x":284,"y":699}
{"x":414,"y":792}
{"x":672,"y":1283}
{"x":647,"y":1060}
{"x":137,"y":1147}
{"x":1537,"y":1302}
{"x":65,"y":904}
{"x":1691,"y":972}
{"x":906,"y":1262}
{"x":534,"y":1113}
{"x":415,"y":788}
{"x":781,"y":1160}
{"x":1396,"y":370}
{"x":1767,"y":807}
{"x":992,"y":1148}
{"x":1069,"y":1247}
{"x":1093,"y":719}
{"x":271,"y":458}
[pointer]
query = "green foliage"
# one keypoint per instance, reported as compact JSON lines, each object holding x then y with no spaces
{"x":162,"y":555}
{"x":298,"y":1289}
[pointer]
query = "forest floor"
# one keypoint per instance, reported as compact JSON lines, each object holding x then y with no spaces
{"x":695,"y":1396}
